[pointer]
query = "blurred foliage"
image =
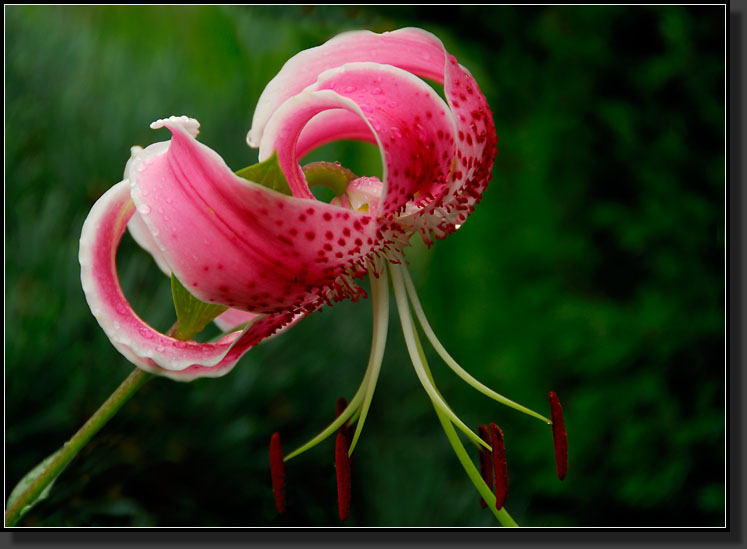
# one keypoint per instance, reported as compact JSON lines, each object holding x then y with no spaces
{"x":593,"y":267}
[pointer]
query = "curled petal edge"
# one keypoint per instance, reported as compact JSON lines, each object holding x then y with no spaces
{"x":135,"y":339}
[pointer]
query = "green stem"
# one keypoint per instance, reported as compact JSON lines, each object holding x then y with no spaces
{"x":71,"y":448}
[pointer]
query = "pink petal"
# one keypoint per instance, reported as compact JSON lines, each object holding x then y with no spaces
{"x":139,"y":232}
{"x":411,"y":123}
{"x":136,"y":340}
{"x":231,"y":318}
{"x":333,"y":125}
{"x":476,"y":143}
{"x":234,"y":242}
{"x":413,"y":50}
{"x":440,"y":207}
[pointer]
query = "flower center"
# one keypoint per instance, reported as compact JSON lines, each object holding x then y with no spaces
{"x":350,"y":191}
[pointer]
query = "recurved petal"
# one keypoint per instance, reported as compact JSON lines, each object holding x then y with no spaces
{"x":234,"y":242}
{"x":411,"y":124}
{"x":136,"y":226}
{"x":476,"y":142}
{"x":419,"y":52}
{"x":135,"y":339}
{"x":142,"y":236}
{"x":411,"y":49}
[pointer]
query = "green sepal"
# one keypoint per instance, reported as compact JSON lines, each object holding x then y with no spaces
{"x":26,"y":481}
{"x":268,"y":174}
{"x":192,"y":315}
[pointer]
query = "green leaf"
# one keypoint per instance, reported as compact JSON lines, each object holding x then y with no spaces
{"x":268,"y":174}
{"x":27,"y":480}
{"x":192,"y":314}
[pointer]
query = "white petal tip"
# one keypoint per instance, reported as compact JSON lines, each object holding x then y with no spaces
{"x":190,"y":125}
{"x":252,"y":140}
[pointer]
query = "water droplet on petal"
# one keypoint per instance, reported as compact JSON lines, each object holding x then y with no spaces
{"x":350,"y":89}
{"x":376,"y":91}
{"x":144,"y":209}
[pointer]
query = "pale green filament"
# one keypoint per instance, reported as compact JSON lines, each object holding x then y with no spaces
{"x":336,"y":424}
{"x":357,"y":408}
{"x":502,"y":515}
{"x":485,"y":491}
{"x":400,"y":297}
{"x":446,"y":357}
{"x":474,"y":475}
{"x":380,"y":298}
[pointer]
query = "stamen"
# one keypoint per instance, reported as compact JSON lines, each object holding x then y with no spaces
{"x":449,"y":360}
{"x":501,"y":514}
{"x":357,"y":406}
{"x":559,"y":436}
{"x":342,"y":466}
{"x":442,"y":411}
{"x":418,"y":361}
{"x":499,"y":465}
{"x":486,"y":463}
{"x":277,"y":470}
{"x":380,"y":298}
{"x":336,"y":424}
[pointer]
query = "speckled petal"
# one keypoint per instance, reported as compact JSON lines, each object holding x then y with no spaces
{"x":234,"y":242}
{"x":438,"y":208}
{"x":411,"y":123}
{"x":411,"y":49}
{"x":140,"y":343}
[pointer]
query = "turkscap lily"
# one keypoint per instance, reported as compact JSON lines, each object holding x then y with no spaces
{"x":258,"y":251}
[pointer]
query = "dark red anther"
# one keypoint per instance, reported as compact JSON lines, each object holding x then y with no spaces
{"x":342,"y":465}
{"x":559,"y":436}
{"x":499,"y":465}
{"x":277,"y":470}
{"x":486,"y":462}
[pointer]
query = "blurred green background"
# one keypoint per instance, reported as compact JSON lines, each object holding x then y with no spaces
{"x":594,"y":267}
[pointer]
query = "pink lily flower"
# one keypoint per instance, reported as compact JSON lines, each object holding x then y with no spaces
{"x":274,"y":257}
